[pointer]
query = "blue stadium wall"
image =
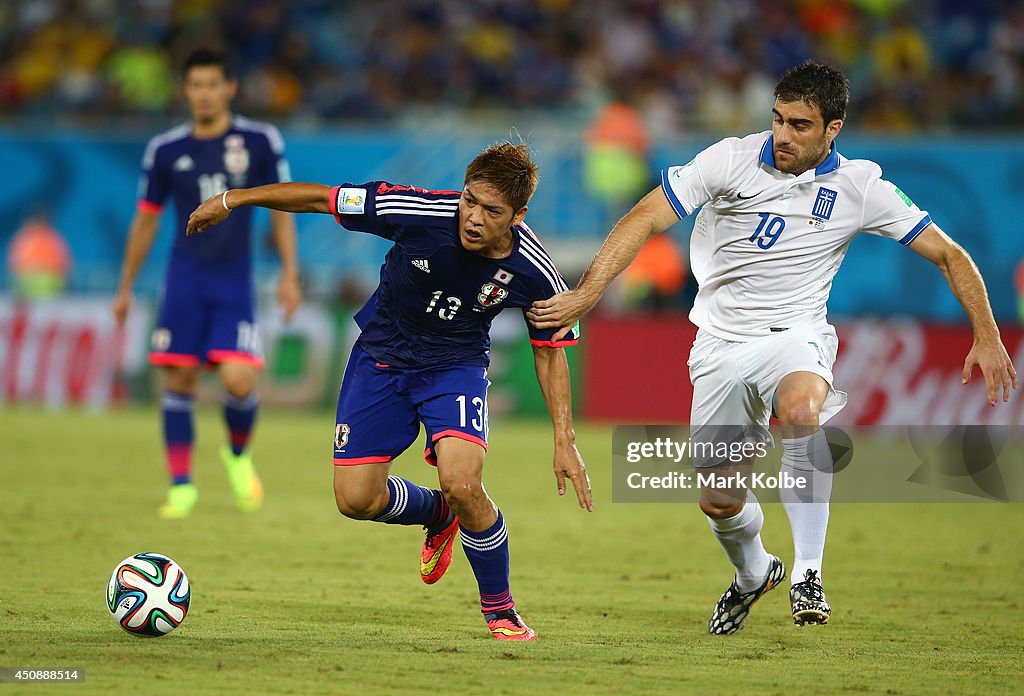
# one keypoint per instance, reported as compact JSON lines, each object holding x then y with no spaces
{"x":973,"y":188}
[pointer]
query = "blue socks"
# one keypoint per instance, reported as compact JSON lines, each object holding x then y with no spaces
{"x":178,"y":435}
{"x":487,"y":552}
{"x":240,"y":416}
{"x":411,"y":504}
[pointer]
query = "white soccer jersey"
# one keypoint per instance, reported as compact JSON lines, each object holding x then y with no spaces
{"x":767,"y":244}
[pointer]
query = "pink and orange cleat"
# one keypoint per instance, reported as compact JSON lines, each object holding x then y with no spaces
{"x":437,"y":552}
{"x":508,"y":625}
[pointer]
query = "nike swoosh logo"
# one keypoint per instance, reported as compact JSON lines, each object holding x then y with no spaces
{"x":428,"y":568}
{"x":744,"y":198}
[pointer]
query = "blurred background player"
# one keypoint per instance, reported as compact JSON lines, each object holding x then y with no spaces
{"x":655,"y":280}
{"x":777,"y":212}
{"x":207,"y":315}
{"x":422,"y":356}
{"x":39,"y":259}
{"x":616,"y":153}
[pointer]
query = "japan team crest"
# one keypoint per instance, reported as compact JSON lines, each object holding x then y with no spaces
{"x":491,"y":294}
{"x":160,"y":340}
{"x":341,"y":432}
{"x":236,"y":159}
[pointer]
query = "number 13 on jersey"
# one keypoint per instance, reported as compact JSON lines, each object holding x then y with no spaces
{"x":448,"y":312}
{"x":476,"y":415}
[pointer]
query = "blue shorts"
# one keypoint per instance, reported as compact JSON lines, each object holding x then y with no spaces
{"x":380,"y":409}
{"x":206,"y":318}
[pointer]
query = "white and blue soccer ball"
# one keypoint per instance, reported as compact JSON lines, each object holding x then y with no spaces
{"x":148,"y":594}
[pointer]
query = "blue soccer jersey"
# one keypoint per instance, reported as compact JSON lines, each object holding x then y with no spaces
{"x":208,"y":313}
{"x":436,"y":300}
{"x":189,"y":170}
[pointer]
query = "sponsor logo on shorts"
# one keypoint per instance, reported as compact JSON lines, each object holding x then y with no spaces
{"x":821,"y":354}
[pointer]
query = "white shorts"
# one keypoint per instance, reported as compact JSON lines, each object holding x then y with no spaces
{"x":734,"y":383}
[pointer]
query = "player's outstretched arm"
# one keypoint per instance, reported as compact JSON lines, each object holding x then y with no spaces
{"x":553,"y":376}
{"x":140,"y":239}
{"x":988,"y":351}
{"x":651,"y":215}
{"x":292,"y":197}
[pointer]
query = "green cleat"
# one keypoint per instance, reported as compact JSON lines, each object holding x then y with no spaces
{"x":180,"y":501}
{"x":245,"y":483}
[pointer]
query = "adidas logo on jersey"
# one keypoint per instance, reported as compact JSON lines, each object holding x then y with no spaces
{"x":184,"y":164}
{"x":422,"y":264}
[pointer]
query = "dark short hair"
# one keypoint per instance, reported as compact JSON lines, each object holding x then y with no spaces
{"x":509,"y":169}
{"x":207,"y":56}
{"x":820,"y":85}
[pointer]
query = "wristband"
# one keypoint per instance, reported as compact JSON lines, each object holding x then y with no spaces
{"x":224,"y":200}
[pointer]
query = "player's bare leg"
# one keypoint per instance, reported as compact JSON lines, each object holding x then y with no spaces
{"x":736,"y":519}
{"x":460,"y":466}
{"x":178,"y":430}
{"x":241,"y":402}
{"x":361,"y":491}
{"x":805,"y":454}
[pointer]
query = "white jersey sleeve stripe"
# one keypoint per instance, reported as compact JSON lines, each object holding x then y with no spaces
{"x":530,"y":231}
{"x":415,"y":206}
{"x":176,"y":133}
{"x":423,"y":212}
{"x":556,"y":284}
{"x":418,"y":199}
{"x":541,"y":255}
{"x":270,"y":131}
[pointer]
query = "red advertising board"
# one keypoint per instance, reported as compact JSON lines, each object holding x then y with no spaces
{"x":895,"y":372}
{"x":66,"y":351}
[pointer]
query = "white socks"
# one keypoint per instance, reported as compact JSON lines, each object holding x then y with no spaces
{"x":807,"y":508}
{"x":740,"y":536}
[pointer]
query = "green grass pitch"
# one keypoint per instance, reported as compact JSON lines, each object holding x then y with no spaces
{"x":297,"y":599}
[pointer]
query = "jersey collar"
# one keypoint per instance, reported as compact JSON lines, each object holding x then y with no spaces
{"x":830,"y":164}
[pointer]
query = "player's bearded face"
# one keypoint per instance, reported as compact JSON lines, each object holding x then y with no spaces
{"x":485,"y":219}
{"x":801,"y":139}
{"x":208,"y":92}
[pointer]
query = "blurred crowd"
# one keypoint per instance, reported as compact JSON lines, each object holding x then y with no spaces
{"x":688,"y":64}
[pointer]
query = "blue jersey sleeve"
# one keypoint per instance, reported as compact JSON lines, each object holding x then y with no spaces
{"x":547,"y":281}
{"x":383,"y":209}
{"x":275,"y":169}
{"x":542,"y":337}
{"x":155,"y":185}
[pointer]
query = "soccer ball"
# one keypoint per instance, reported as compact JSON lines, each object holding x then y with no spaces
{"x":148,"y":594}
